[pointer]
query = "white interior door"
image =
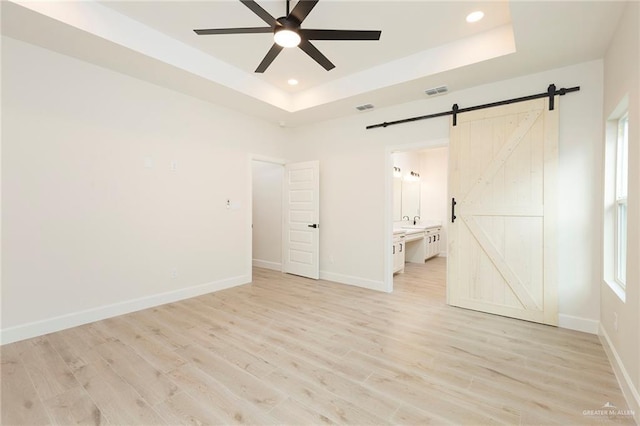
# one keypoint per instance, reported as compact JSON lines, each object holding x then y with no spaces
{"x":501,"y":255}
{"x":301,"y":219}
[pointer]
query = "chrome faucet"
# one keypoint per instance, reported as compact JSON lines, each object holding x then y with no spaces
{"x":414,"y":219}
{"x":406,"y":217}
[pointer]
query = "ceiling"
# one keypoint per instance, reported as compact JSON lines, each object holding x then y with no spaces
{"x":424,"y":44}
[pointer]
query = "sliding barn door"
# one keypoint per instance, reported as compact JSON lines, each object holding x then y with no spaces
{"x":502,"y":242}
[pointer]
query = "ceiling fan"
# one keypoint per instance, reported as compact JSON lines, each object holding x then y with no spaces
{"x":287,"y":32}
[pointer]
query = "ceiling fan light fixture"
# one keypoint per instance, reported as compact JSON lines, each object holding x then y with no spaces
{"x":286,"y":38}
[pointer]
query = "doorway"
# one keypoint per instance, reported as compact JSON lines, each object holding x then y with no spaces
{"x":285,"y":216}
{"x":417,"y":191}
{"x":266,"y":211}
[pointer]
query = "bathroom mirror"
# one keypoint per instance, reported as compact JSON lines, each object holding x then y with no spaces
{"x":397,"y":198}
{"x":410,"y":199}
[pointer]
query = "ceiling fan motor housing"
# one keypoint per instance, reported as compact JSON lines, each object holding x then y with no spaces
{"x":288,"y":22}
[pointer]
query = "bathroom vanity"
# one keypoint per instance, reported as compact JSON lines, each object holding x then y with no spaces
{"x":398,"y":250}
{"x":421,"y":242}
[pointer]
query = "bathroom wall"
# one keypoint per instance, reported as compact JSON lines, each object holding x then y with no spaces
{"x":407,"y":161}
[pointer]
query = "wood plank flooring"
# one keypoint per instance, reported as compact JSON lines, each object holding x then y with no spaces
{"x":292,"y":351}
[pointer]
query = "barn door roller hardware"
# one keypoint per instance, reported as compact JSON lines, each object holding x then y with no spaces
{"x":455,"y":110}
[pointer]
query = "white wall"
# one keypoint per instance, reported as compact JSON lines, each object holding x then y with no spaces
{"x":355,"y":182}
{"x":622,"y":78}
{"x":89,"y":230}
{"x":267,"y":181}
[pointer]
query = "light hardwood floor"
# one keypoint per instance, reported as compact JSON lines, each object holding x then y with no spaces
{"x":288,"y":350}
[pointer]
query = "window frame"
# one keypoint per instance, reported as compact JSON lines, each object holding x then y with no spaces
{"x":614,"y":233}
{"x":620,"y":201}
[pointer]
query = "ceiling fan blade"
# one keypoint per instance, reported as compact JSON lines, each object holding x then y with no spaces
{"x":340,"y":34}
{"x":302,"y":9}
{"x":269,"y":57}
{"x":256,"y":30}
{"x":315,"y":54}
{"x":258,"y":10}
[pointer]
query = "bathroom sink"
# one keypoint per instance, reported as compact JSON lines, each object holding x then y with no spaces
{"x":411,"y":231}
{"x":422,"y":226}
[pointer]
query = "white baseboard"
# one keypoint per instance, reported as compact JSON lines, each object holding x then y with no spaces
{"x":50,"y":325}
{"x":258,"y":263}
{"x":579,"y":324}
{"x":351,"y":280}
{"x":629,"y":391}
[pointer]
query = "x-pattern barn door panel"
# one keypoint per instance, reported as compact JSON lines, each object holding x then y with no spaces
{"x":502,"y":176}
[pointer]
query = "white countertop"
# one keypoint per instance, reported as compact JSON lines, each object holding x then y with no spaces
{"x":410,"y":229}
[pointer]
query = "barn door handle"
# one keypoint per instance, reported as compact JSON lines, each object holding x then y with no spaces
{"x":453,"y":210}
{"x":315,"y":225}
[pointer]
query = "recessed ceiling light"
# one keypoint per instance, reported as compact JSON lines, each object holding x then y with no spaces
{"x":292,"y":82}
{"x":475,"y":16}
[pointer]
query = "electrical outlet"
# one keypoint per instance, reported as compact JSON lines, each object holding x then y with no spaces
{"x":174,"y":273}
{"x":615,"y":321}
{"x":173,"y":166}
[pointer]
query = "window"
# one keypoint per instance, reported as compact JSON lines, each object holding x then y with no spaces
{"x":615,"y":199}
{"x":622,"y":167}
